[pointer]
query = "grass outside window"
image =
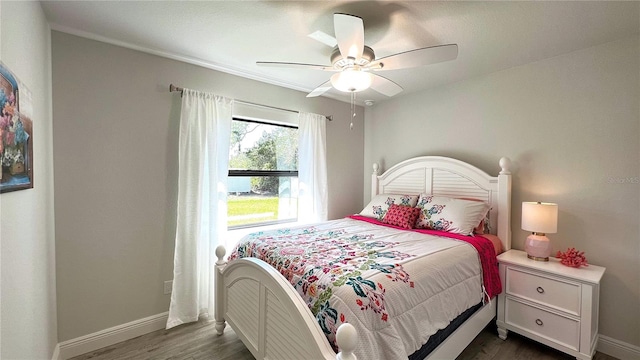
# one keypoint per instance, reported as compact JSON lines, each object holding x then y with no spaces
{"x":243,"y":210}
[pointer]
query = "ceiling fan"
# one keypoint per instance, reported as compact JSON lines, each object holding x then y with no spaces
{"x":355,"y":64}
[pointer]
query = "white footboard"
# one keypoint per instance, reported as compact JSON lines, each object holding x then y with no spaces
{"x":269,"y":316}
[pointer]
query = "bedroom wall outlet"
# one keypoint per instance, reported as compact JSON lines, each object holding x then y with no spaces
{"x":168,"y":286}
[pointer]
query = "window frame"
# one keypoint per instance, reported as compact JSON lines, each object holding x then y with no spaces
{"x":262,"y":173}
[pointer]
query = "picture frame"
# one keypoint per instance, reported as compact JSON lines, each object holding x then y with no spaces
{"x":16,"y":135}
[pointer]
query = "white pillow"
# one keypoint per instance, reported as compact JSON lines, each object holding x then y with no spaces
{"x":450,"y":214}
{"x":380,"y":204}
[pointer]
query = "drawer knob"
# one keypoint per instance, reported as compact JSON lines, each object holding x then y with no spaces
{"x":539,"y":322}
{"x":540,"y":290}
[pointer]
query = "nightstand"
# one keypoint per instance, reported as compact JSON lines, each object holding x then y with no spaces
{"x":551,"y":303}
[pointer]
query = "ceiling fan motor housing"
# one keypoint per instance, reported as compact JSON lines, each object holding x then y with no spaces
{"x":339,"y":62}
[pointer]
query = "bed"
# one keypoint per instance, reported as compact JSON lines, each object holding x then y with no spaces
{"x":274,"y":321}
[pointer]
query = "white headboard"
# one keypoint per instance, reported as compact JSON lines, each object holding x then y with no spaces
{"x":437,"y":175}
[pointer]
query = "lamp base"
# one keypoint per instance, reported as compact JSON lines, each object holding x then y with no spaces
{"x":538,"y":258}
{"x":538,"y":247}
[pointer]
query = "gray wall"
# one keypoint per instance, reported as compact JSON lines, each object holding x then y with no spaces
{"x":27,"y":243}
{"x":571,"y":126}
{"x":116,"y":146}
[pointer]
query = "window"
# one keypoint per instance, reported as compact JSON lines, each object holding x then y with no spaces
{"x":263,"y":174}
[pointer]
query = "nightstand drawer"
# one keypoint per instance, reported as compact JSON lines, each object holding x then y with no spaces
{"x":551,"y":292}
{"x":559,"y":329}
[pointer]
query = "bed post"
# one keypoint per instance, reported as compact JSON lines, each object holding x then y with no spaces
{"x":374,"y":180}
{"x":219,"y":295}
{"x":504,"y":203}
{"x":347,"y":339}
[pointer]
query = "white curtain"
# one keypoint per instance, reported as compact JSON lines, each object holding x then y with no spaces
{"x":312,"y":168}
{"x":205,"y":131}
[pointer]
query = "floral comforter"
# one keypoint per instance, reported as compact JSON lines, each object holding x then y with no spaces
{"x":396,"y":287}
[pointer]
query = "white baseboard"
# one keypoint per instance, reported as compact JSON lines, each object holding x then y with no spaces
{"x":618,"y":349}
{"x":56,"y":353}
{"x":114,"y":335}
{"x":84,"y":344}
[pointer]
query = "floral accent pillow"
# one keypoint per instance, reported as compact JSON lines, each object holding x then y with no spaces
{"x":380,"y":204}
{"x":402,"y":216}
{"x":450,"y":214}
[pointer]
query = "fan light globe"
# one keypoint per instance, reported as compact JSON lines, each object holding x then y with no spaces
{"x":351,"y":80}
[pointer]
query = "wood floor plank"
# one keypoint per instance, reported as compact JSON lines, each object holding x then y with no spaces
{"x":198,"y":341}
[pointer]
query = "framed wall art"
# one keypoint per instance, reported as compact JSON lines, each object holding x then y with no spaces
{"x":16,"y":134}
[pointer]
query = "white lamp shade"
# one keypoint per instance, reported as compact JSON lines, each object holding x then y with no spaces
{"x":351,"y":80}
{"x":540,"y":217}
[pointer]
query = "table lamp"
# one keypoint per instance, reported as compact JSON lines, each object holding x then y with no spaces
{"x":540,"y":218}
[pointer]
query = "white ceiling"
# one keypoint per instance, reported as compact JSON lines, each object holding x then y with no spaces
{"x":232,"y":35}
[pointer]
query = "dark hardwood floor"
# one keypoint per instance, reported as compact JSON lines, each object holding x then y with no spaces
{"x":198,"y":342}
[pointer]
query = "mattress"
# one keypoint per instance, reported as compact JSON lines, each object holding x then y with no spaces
{"x":396,"y":287}
{"x":441,"y":335}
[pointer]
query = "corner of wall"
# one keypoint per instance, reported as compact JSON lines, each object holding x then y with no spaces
{"x":27,"y":262}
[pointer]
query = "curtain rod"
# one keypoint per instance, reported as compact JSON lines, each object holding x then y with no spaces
{"x":173,"y":88}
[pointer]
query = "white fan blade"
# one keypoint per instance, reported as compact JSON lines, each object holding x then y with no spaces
{"x":415,"y":58}
{"x":320,"y":89}
{"x":324,"y":38}
{"x":349,"y":31}
{"x":385,"y":86}
{"x":295,"y":65}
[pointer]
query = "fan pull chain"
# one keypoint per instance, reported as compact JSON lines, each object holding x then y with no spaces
{"x":353,"y":108}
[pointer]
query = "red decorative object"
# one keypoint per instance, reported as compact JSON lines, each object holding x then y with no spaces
{"x":572,"y":258}
{"x":402,"y":216}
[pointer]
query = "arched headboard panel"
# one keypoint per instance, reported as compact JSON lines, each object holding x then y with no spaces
{"x":444,"y":176}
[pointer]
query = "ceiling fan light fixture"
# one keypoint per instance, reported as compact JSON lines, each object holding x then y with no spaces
{"x":352,"y":80}
{"x":356,"y":63}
